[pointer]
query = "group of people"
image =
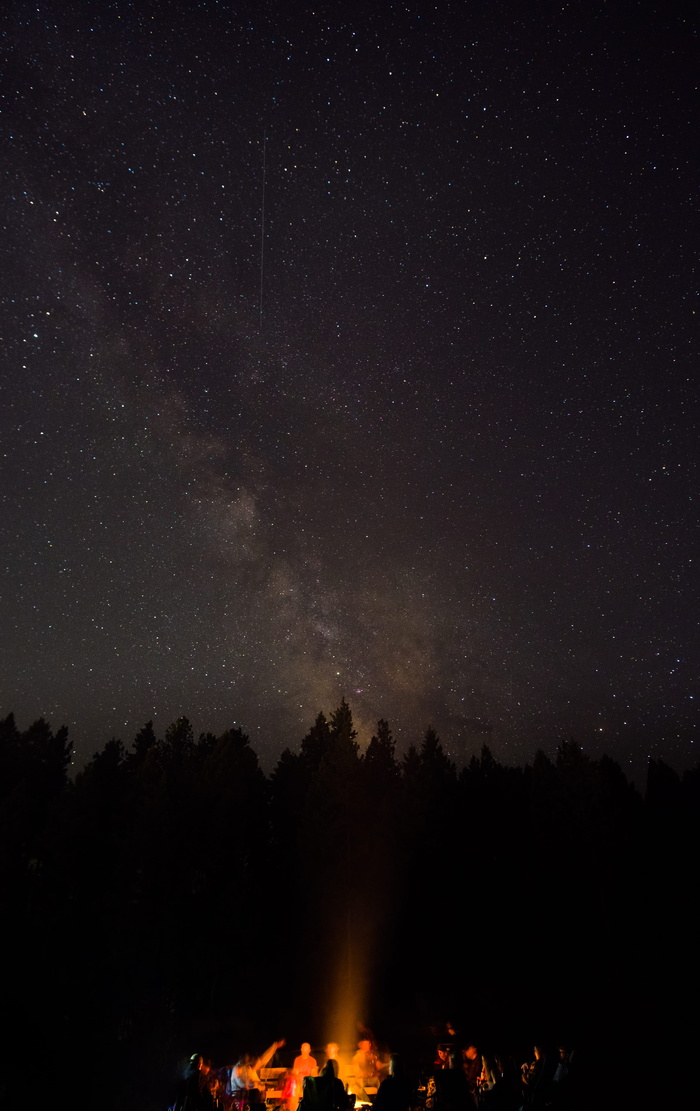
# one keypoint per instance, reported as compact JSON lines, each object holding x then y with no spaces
{"x":461,"y":1079}
{"x":242,"y":1088}
{"x":464,"y":1079}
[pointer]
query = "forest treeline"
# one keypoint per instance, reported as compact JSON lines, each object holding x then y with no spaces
{"x":173,"y":897}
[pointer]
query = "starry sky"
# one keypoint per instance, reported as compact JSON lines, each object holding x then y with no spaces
{"x":347,"y":351}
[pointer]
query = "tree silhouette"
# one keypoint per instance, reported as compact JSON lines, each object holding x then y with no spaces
{"x":315,"y":743}
{"x":188,"y":880}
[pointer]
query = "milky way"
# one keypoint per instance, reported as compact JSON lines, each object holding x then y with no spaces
{"x":440,"y":461}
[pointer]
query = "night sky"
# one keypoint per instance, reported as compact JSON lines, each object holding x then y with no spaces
{"x":347,"y":351}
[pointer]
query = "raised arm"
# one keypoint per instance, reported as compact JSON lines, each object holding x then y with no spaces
{"x":268,"y":1054}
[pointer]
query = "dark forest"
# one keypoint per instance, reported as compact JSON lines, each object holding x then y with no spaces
{"x":173,"y":898}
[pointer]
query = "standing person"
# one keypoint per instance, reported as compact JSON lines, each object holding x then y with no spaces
{"x":472,"y":1064}
{"x":488,"y":1080}
{"x":442,"y":1055}
{"x":193,"y":1092}
{"x":365,"y":1067}
{"x":333,"y":1054}
{"x":451,"y":1086}
{"x":533,"y":1075}
{"x":304,"y":1065}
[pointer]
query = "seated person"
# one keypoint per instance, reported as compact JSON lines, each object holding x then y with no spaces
{"x":244,"y":1075}
{"x":325,"y":1092}
{"x":395,"y":1092}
